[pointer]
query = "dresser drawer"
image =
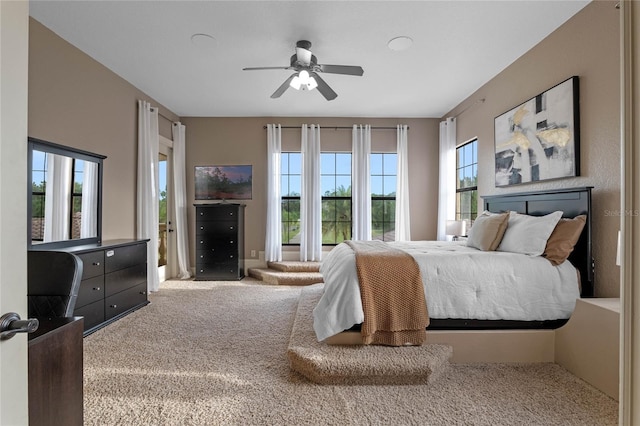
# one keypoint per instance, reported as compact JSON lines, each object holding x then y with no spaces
{"x":121,"y":302}
{"x":216,"y":228}
{"x":221,"y":268}
{"x":217,"y":255}
{"x":123,"y":257}
{"x":208,"y":244}
{"x":90,"y":291}
{"x":92,"y":264}
{"x":125,"y":278}
{"x":93,"y":314}
{"x":219,"y":212}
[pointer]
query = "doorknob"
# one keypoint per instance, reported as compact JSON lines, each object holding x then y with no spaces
{"x":10,"y":324}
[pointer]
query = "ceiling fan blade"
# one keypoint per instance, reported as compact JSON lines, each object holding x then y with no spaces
{"x":265,"y":68}
{"x":324,"y":88}
{"x":283,"y":88}
{"x":342,"y":69}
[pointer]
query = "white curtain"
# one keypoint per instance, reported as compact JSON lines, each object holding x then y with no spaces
{"x":89,"y":219}
{"x":57,"y":198}
{"x":447,"y":176}
{"x":147,"y":194}
{"x":361,"y":187}
{"x":273,"y":237}
{"x":180,"y":197}
{"x":310,"y":197}
{"x":403,"y":223}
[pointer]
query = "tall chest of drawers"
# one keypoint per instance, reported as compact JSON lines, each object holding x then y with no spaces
{"x":219,"y":241}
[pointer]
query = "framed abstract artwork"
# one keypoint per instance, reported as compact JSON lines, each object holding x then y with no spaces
{"x":540,"y":139}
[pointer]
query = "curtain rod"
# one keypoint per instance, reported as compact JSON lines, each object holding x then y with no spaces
{"x":341,"y":127}
{"x":479,"y":101}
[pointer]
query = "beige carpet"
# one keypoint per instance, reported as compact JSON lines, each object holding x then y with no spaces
{"x":214,"y":353}
{"x":294,"y":266}
{"x":276,"y":277}
{"x":358,"y":365}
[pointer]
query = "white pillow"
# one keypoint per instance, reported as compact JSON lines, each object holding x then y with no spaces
{"x":528,"y":234}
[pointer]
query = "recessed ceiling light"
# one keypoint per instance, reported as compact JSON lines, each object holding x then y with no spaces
{"x":400,"y":43}
{"x":203,"y":41}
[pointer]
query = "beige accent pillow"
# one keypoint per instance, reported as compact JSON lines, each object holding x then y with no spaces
{"x":487,"y":231}
{"x":564,"y":238}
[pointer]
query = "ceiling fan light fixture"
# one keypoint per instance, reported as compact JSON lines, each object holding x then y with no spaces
{"x":306,"y":75}
{"x":312,"y":84}
{"x":296,"y":82}
{"x":303,"y":81}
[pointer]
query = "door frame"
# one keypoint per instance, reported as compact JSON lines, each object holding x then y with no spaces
{"x":14,"y":71}
{"x":165,"y":147}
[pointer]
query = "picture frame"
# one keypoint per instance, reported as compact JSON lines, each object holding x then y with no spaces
{"x":539,"y":139}
{"x":223,"y":182}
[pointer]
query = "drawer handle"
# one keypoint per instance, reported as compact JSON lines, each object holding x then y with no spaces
{"x":202,"y":256}
{"x":231,"y":242}
{"x":231,"y":214}
{"x":96,"y":288}
{"x":230,"y":256}
{"x":202,"y":227}
{"x":96,"y":263}
{"x":143,"y":292}
{"x":113,"y":306}
{"x":201,"y":241}
{"x":231,"y":227}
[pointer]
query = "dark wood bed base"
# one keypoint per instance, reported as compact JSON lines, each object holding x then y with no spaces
{"x":573,"y":202}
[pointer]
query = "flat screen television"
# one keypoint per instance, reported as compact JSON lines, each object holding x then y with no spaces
{"x":223,"y":182}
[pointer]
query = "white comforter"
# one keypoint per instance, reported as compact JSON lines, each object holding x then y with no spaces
{"x":459,"y":282}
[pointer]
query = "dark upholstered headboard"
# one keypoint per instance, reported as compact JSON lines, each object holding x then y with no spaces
{"x":573,"y":202}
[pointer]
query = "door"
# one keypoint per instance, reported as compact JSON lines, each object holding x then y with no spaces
{"x":167,"y":255}
{"x":14,"y":33}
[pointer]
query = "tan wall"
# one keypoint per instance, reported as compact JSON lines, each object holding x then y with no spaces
{"x":76,"y":101}
{"x":586,"y":46}
{"x":226,"y":141}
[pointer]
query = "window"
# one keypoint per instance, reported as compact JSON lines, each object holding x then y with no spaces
{"x":38,"y":188}
{"x":467,"y":181}
{"x":38,"y":195}
{"x":383,"y":195}
{"x":290,"y":185}
{"x":335,"y":187}
{"x":76,"y":198}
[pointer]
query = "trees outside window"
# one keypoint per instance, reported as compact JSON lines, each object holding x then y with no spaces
{"x":467,"y":182}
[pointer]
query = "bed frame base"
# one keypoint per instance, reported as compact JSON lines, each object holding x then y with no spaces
{"x":481,"y":345}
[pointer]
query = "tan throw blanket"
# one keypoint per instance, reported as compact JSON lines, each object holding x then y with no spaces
{"x":392,"y":293}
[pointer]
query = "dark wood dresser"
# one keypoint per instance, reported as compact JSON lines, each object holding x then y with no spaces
{"x":55,"y":372}
{"x":220,"y":241}
{"x":114,"y":281}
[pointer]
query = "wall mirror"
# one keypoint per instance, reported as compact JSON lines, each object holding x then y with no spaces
{"x":64,"y":196}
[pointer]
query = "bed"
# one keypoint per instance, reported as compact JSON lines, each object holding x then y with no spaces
{"x":497,"y":290}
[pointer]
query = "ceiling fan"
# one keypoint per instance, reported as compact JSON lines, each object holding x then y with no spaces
{"x":306,"y":68}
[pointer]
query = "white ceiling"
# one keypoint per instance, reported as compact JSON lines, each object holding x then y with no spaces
{"x":458,"y":46}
